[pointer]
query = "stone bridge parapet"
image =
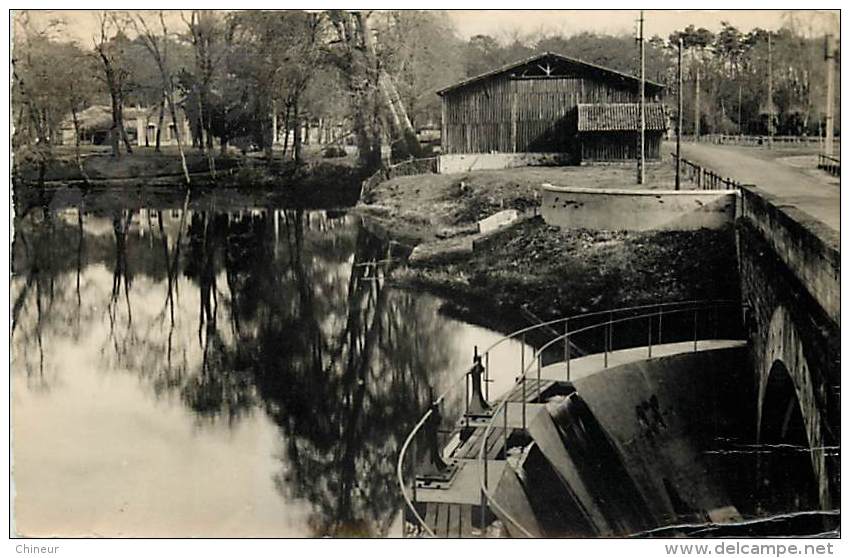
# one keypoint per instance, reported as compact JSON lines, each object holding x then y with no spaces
{"x":790,"y":266}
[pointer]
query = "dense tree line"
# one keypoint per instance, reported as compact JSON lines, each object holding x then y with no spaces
{"x":240,"y":75}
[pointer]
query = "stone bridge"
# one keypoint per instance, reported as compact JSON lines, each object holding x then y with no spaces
{"x":790,"y":267}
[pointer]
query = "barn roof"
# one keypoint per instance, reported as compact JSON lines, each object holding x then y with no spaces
{"x":611,"y":117}
{"x":537,"y":57}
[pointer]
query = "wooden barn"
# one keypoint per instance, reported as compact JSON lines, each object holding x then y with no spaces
{"x":547,"y":109}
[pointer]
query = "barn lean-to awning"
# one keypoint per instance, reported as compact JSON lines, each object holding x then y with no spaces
{"x":620,"y":117}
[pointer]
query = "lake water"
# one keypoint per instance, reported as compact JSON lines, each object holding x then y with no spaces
{"x":224,"y":371}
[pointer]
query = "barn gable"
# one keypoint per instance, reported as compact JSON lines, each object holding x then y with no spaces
{"x":551,"y":64}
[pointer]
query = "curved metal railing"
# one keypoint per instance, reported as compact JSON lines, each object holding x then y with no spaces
{"x":660,"y":309}
{"x":693,"y":306}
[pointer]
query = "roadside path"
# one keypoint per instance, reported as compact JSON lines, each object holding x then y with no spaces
{"x":808,"y":192}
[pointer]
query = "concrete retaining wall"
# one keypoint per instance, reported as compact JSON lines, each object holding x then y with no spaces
{"x":637,"y":210}
{"x":456,"y":163}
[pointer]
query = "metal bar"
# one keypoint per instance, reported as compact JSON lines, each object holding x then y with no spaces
{"x":522,"y":356}
{"x":539,"y":364}
{"x":487,"y":376}
{"x":567,"y":345}
{"x":522,"y":378}
{"x":523,"y":401}
{"x":605,"y":346}
{"x":695,"y":329}
{"x":649,"y":336}
{"x":660,"y":313}
{"x":506,"y":405}
{"x":485,"y":467}
{"x":466,"y":389}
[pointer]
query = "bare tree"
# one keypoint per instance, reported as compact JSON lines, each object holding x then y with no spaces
{"x":157,"y":46}
{"x":302,"y":58}
{"x":108,"y":51}
{"x":205,"y":31}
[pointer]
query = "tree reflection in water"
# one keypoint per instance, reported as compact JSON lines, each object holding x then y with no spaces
{"x":289,"y":313}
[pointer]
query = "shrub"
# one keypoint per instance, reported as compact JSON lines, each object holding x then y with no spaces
{"x":333,"y":151}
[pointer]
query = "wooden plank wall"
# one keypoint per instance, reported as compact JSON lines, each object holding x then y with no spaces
{"x":478,"y":118}
{"x":507,"y":115}
{"x":618,"y":146}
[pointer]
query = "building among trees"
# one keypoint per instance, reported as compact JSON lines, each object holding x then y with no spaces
{"x":547,"y":109}
{"x":140,"y":123}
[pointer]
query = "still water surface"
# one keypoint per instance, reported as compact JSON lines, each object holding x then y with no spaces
{"x":218,"y":372}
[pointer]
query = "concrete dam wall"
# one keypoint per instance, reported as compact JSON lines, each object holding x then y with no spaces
{"x":635,"y":447}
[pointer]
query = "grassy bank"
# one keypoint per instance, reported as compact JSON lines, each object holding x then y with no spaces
{"x":542,"y":269}
{"x":316,"y":182}
{"x":99,"y":164}
{"x":146,"y":163}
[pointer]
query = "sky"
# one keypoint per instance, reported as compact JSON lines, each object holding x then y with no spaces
{"x":81,"y":24}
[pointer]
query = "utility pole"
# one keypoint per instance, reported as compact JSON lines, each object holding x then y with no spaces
{"x":829,"y":56}
{"x":641,"y":157}
{"x":679,"y":123}
{"x":769,"y":92}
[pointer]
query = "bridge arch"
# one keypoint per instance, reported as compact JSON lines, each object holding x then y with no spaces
{"x":787,"y":408}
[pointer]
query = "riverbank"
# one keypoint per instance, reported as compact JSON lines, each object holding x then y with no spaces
{"x":144,"y":163}
{"x":535,"y":269}
{"x":552,"y":273}
{"x":317,"y":182}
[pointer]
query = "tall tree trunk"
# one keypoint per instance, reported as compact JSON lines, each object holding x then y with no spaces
{"x":268,"y":140}
{"x":77,"y":155}
{"x":114,"y":138}
{"x":121,"y":128}
{"x":409,"y":145}
{"x":210,"y":157}
{"x":296,"y":142}
{"x":159,"y":124}
{"x":285,"y":132}
{"x":173,"y":110}
{"x":361,"y":70}
{"x":369,"y":135}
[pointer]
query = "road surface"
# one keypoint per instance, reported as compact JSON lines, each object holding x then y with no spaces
{"x":809,"y":190}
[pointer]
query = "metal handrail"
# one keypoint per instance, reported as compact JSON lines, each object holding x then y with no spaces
{"x":503,"y":404}
{"x":520,"y":333}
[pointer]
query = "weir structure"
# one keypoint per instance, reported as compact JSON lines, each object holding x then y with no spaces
{"x":528,"y":436}
{"x":607,"y":430}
